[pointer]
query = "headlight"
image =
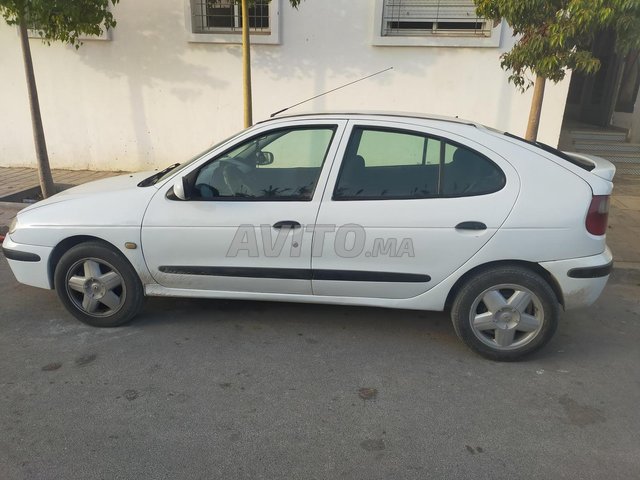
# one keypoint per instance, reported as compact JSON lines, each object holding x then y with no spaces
{"x":13,"y":225}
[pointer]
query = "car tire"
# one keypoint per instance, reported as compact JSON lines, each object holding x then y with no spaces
{"x":98,"y":285}
{"x":505,"y":313}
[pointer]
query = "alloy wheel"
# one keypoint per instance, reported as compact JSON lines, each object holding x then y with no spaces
{"x":95,"y":287}
{"x":506,"y":317}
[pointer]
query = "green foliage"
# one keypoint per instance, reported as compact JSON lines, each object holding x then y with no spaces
{"x":555,"y":35}
{"x":60,"y":20}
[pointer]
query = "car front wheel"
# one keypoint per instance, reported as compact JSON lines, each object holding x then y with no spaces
{"x":98,"y":285}
{"x":505,"y":313}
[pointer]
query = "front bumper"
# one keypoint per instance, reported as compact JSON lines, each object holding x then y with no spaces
{"x":581,"y":280}
{"x":29,"y":263}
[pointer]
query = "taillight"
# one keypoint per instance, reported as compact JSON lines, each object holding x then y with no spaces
{"x":598,"y":215}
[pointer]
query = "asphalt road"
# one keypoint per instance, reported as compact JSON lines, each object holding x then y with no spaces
{"x":248,"y":390}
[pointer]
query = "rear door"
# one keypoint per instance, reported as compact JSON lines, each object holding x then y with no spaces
{"x":405,"y":207}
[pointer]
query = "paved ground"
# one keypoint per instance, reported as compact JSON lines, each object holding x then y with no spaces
{"x":246,"y":390}
{"x":624,"y":221}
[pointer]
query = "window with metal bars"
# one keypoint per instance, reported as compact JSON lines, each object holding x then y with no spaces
{"x":225,"y":16}
{"x":432,"y":17}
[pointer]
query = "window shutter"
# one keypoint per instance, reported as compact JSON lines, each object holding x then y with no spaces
{"x":410,"y":17}
{"x":431,"y":10}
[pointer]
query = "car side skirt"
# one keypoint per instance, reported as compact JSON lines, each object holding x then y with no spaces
{"x":157,"y":290}
{"x":297,"y":274}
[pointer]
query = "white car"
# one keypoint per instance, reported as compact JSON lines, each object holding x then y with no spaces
{"x":386,"y":210}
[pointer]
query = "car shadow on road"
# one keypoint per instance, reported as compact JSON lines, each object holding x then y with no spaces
{"x":288,"y":318}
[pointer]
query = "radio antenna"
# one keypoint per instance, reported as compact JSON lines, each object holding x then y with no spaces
{"x":332,"y":90}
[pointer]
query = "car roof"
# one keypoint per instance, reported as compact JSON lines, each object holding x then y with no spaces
{"x":377,"y":114}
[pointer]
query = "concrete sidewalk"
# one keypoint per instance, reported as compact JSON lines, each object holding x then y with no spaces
{"x":624,"y":218}
{"x":623,"y":236}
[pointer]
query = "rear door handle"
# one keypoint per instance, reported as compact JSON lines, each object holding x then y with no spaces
{"x":471,"y":226}
{"x":287,"y":224}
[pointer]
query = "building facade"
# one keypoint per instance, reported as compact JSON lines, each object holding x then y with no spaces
{"x":166,"y":82}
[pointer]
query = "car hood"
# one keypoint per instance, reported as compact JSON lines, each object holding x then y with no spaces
{"x":112,"y":184}
{"x":109,"y":203}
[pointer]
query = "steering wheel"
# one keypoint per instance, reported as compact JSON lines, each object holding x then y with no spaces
{"x":207,"y":191}
{"x":235,"y":181}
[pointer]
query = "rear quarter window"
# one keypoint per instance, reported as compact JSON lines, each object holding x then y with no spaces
{"x":467,"y":172}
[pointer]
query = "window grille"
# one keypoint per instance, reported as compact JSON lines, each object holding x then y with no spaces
{"x":432,"y":17}
{"x":225,"y":16}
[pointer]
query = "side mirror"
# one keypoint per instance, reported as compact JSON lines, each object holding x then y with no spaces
{"x":181,"y":188}
{"x":264,"y":158}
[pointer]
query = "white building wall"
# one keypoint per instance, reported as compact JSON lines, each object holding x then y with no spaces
{"x":629,"y":121}
{"x":149,"y":97}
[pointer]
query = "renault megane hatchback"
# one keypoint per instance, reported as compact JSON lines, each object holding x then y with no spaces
{"x":397,"y":211}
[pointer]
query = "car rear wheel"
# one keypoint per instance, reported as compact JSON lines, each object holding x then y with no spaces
{"x":505,"y":313}
{"x":98,"y":285}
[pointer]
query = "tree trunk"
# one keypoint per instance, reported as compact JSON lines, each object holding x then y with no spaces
{"x":44,"y":170}
{"x":246,"y":65}
{"x":536,"y":109}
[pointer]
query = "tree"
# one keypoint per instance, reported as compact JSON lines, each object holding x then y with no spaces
{"x":246,"y":59}
{"x":555,"y":35}
{"x":54,"y":20}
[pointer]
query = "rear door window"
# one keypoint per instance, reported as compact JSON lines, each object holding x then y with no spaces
{"x":387,"y":164}
{"x":382,"y":164}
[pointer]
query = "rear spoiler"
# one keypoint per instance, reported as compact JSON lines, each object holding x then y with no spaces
{"x":596,"y":165}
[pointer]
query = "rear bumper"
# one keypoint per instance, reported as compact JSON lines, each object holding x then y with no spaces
{"x":29,"y":263}
{"x":581,"y":280}
{"x":591,"y":272}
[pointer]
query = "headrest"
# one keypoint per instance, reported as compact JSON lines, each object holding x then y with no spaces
{"x":357,"y":161}
{"x":463,"y":157}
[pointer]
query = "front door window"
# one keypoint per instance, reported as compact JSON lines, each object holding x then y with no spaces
{"x":280,"y":165}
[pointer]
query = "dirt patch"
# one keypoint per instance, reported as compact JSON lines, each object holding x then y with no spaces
{"x":367,"y":393}
{"x":50,"y":367}
{"x":580,"y":415}
{"x":374,"y":445}
{"x":85,"y":359}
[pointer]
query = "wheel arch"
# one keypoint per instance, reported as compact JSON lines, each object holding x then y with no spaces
{"x":68,"y":243}
{"x":532,"y":266}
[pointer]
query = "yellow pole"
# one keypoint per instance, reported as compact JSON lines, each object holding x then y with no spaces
{"x":246,"y":65}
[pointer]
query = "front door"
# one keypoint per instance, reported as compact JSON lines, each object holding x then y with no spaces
{"x":406,"y":208}
{"x":243,"y":227}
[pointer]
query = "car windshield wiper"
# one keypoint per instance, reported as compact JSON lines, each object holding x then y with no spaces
{"x":157,"y":176}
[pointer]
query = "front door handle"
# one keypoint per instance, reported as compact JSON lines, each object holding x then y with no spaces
{"x":287,"y":224}
{"x":471,"y":226}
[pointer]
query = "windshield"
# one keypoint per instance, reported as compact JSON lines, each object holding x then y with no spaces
{"x":173,"y":169}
